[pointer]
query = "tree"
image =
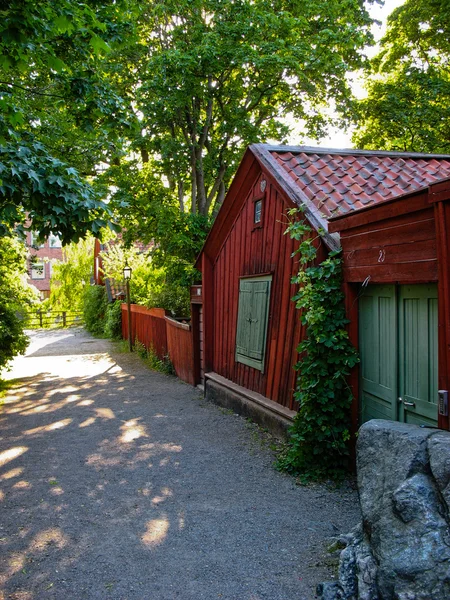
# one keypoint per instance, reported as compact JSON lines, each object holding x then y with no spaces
{"x":71,"y":275}
{"x":52,"y":86}
{"x":408,"y":102}
{"x":212,"y":76}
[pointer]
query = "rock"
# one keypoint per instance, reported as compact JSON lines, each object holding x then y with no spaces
{"x":401,"y":551}
{"x":330,"y":591}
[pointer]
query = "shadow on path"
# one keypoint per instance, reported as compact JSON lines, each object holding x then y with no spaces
{"x":121,"y":483}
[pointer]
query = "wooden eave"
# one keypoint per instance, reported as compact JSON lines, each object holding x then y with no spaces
{"x":394,"y":207}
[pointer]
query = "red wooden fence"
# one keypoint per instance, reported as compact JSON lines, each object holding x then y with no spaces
{"x":181,"y":349}
{"x":165,"y":335}
{"x":148,"y":326}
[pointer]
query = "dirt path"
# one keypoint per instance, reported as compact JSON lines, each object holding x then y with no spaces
{"x":120,"y":483}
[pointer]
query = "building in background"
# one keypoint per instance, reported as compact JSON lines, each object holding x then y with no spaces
{"x":41,"y":256}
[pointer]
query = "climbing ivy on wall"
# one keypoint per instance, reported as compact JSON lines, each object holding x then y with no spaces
{"x":318,"y":444}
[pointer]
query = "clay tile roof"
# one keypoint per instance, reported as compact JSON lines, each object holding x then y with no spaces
{"x":340,"y":181}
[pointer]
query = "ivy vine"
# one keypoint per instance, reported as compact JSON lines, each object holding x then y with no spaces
{"x":318,"y":445}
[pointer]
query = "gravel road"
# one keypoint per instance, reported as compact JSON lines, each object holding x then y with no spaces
{"x":119,"y":483}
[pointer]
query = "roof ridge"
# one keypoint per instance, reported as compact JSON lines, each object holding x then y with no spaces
{"x":346,"y":151}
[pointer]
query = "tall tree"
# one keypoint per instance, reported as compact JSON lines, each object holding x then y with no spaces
{"x":212,"y":76}
{"x":60,"y":109}
{"x":408,"y":103}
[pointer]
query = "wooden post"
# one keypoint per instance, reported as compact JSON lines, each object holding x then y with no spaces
{"x":208,"y":312}
{"x":40,"y":318}
{"x":64,"y":319}
{"x":130,"y":340}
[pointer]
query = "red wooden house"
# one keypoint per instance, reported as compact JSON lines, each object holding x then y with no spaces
{"x":250,"y":325}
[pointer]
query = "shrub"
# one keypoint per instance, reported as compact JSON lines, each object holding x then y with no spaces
{"x":113,"y":321}
{"x":173,"y":298}
{"x":94,"y":309}
{"x":13,"y":340}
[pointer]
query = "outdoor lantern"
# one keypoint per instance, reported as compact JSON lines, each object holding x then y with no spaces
{"x":127,"y":272}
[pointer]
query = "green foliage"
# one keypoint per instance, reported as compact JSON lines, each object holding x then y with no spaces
{"x":70,"y":276}
{"x":407,"y":107}
{"x":151,"y":286}
{"x":94,"y":309}
{"x":59,"y":111}
{"x":152,"y":360}
{"x":113,"y":321}
{"x":15,"y":296}
{"x":172,"y":297}
{"x":318,"y":445}
{"x":215,"y":75}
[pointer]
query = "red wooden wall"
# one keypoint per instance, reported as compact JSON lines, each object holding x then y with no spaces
{"x":399,"y":247}
{"x":250,"y":250}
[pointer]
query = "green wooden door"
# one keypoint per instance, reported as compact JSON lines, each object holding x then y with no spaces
{"x":378,"y":351}
{"x":418,"y":354}
{"x":398,"y":347}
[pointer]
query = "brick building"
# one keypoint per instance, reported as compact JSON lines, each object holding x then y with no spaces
{"x":41,"y":258}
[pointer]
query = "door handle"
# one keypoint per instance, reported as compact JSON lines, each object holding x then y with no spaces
{"x":406,"y":403}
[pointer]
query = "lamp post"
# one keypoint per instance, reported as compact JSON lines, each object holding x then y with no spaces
{"x":127,"y":277}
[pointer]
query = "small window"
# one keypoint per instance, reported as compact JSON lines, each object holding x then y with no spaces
{"x":253,"y":318}
{"x":258,"y":209}
{"x":54,"y":241}
{"x":35,"y":243}
{"x":38,"y":270}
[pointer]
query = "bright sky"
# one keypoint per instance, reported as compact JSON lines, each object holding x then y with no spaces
{"x":339,"y":138}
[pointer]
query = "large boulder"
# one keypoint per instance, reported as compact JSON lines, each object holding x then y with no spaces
{"x":401,"y":551}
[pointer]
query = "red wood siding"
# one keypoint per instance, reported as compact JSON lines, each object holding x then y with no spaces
{"x":395,"y":248}
{"x":181,"y":350}
{"x":248,"y":251}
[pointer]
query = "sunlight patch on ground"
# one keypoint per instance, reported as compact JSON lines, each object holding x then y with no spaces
{"x":84,"y":365}
{"x":104,"y":413}
{"x":52,"y":536}
{"x":11,"y":454}
{"x":132,"y":430}
{"x":87,"y":422}
{"x":22,"y":485}
{"x":12,"y":473}
{"x":50,"y":427}
{"x":156,"y":532}
{"x":165,"y":493}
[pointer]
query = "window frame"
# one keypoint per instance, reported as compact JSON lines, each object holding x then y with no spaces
{"x":33,"y":266}
{"x":258,"y":198}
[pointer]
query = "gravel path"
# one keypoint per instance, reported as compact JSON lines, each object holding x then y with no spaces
{"x":124,"y":484}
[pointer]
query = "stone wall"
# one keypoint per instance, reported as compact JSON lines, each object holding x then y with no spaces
{"x":401,"y":550}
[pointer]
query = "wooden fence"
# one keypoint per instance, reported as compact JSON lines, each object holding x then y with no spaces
{"x":46,"y":319}
{"x":181,"y":349}
{"x":166,"y":336}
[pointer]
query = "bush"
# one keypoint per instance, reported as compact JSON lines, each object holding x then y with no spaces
{"x":95,"y":305}
{"x":13,"y":340}
{"x":113,"y":321}
{"x":173,"y":298}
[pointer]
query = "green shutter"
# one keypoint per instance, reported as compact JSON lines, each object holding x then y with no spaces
{"x":253,"y":315}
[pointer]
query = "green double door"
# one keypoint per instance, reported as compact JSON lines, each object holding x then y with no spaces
{"x":398,"y":341}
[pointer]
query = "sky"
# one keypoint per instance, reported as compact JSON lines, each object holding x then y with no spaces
{"x":342,"y":139}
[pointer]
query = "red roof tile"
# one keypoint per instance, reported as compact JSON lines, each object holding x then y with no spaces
{"x":342,"y":181}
